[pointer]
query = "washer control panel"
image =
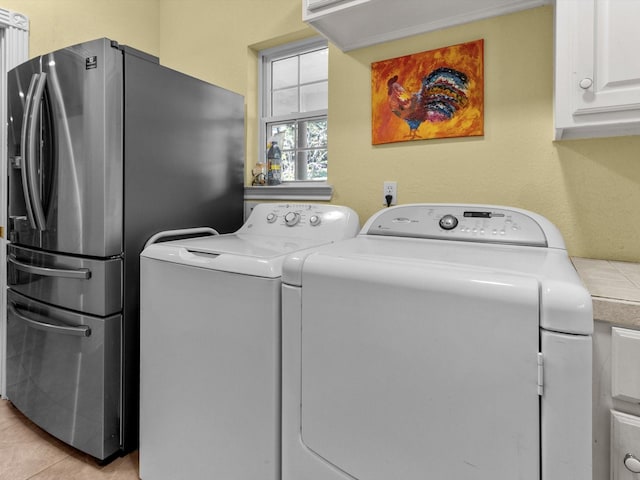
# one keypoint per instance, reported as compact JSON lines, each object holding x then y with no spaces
{"x":448,"y":222}
{"x":292,"y":218}
{"x":472,"y":223}
{"x":305,"y":220}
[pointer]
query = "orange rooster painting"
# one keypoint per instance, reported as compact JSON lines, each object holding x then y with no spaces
{"x":435,"y":94}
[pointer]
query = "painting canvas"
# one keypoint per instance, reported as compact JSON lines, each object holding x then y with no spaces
{"x":433,"y":94}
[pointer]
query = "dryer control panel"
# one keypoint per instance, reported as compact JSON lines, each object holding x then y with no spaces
{"x":302,"y":220}
{"x":471,"y":223}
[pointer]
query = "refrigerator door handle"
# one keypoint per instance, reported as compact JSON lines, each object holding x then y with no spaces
{"x":30,"y":160}
{"x":75,"y":330}
{"x":79,"y":273}
{"x":26,"y":119}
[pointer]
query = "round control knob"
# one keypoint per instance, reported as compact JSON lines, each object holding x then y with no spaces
{"x":314,"y":220}
{"x":291,"y":218}
{"x":271,"y":217}
{"x":586,"y":83}
{"x":632,"y":463}
{"x":448,"y":222}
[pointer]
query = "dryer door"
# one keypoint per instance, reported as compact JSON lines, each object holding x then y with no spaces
{"x":414,"y":370}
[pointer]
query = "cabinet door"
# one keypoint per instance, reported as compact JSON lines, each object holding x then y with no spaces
{"x":597,"y":78}
{"x":351,"y":24}
{"x":313,"y":5}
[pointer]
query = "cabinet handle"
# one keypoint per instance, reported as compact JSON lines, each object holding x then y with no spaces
{"x":586,"y":83}
{"x":632,"y":463}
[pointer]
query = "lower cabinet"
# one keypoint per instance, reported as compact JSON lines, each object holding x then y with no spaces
{"x":616,"y":403}
{"x":625,"y":446}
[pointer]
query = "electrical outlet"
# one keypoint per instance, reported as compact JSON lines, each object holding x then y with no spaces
{"x":390,"y":188}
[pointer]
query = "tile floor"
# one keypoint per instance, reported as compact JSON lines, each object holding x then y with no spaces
{"x":29,"y":453}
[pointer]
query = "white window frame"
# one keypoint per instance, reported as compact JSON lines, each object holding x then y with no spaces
{"x":14,"y":49}
{"x":291,"y":190}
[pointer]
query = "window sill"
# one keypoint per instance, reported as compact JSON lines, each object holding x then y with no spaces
{"x":290,"y":191}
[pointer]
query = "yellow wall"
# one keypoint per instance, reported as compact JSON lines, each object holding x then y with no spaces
{"x":589,"y":188}
{"x":59,"y":23}
{"x":219,"y":40}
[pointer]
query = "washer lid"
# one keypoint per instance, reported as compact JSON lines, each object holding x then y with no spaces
{"x":258,"y":248}
{"x":565,"y":304}
{"x":258,"y":255}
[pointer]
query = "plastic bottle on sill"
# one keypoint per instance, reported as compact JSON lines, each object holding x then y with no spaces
{"x":274,"y":172}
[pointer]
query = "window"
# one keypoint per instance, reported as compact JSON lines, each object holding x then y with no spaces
{"x":295,"y":80}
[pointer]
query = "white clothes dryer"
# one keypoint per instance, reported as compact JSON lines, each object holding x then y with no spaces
{"x":443,"y":342}
{"x":210,"y":344}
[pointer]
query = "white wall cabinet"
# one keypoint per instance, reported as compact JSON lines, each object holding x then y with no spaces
{"x":597,"y":68}
{"x":351,"y":24}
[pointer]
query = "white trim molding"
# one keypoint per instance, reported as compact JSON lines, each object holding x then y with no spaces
{"x":290,"y":191}
{"x":14,"y":49}
{"x":15,"y":38}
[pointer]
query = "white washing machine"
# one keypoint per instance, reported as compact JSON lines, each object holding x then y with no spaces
{"x":443,"y":342}
{"x":210,"y":344}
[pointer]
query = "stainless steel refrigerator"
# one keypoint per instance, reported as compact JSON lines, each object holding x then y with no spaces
{"x":106,"y":148}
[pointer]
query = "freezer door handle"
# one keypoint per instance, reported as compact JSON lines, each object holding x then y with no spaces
{"x":75,"y":330}
{"x":79,"y":273}
{"x":23,"y":143}
{"x":38,"y":220}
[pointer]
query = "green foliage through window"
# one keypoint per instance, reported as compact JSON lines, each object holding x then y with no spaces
{"x":304,"y":148}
